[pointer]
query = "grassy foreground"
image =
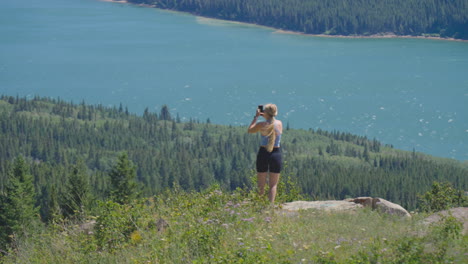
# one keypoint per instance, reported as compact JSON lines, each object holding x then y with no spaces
{"x":239,"y":227}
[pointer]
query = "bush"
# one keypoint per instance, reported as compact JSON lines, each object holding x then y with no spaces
{"x":442,"y":196}
{"x":114,"y":225}
{"x":239,"y":227}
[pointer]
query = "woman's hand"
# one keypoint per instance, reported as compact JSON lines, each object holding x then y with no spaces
{"x":254,"y":126}
{"x":258,"y":113}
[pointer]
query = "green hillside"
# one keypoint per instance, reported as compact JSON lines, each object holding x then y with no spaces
{"x":54,"y":135}
{"x":437,"y":18}
{"x":92,"y":184}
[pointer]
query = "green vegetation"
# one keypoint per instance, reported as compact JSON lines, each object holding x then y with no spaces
{"x":55,"y":137}
{"x":110,"y":186}
{"x":442,"y":196}
{"x":238,"y":227}
{"x":17,"y":209}
{"x":122,"y":178}
{"x":337,"y":17}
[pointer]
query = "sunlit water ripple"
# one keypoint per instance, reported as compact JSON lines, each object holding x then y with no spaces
{"x":411,"y":93}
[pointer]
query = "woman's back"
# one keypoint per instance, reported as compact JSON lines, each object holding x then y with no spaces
{"x":278,"y":127}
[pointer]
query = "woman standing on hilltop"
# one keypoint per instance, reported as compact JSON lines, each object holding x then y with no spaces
{"x":269,"y":159}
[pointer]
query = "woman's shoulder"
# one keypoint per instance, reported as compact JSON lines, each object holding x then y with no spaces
{"x":279,"y":125}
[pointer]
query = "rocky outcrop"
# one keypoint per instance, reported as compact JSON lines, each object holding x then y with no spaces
{"x":460,"y":213}
{"x":321,"y":205}
{"x":381,"y":205}
{"x":378,"y":204}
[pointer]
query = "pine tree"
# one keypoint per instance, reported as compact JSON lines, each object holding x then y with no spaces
{"x":77,"y":192}
{"x":122,"y":177}
{"x":17,"y":209}
{"x":55,"y":211}
{"x":366,"y":153}
{"x":165,"y":114}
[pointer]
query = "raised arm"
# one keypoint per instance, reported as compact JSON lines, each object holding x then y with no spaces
{"x":254,"y":126}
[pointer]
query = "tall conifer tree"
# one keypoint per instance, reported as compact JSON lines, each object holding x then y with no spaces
{"x":77,"y":193}
{"x":122,"y":176}
{"x":17,"y":203}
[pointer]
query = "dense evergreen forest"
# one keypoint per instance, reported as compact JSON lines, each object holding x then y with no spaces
{"x":440,"y":18}
{"x":65,"y":146}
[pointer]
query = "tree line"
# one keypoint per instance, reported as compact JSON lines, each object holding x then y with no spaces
{"x":76,"y":154}
{"x":337,"y":17}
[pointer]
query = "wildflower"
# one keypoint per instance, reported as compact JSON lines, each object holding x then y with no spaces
{"x":248,"y":219}
{"x":268,"y":219}
{"x":135,"y":237}
{"x":209,"y":221}
{"x":340,"y":240}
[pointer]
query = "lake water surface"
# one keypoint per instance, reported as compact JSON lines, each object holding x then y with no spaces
{"x":411,"y":93}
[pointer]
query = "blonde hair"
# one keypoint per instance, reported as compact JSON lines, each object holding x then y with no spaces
{"x":271,"y":110}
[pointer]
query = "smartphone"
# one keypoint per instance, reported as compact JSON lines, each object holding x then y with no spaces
{"x":260,"y":107}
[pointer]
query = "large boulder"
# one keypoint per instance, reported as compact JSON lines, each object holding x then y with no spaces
{"x":378,"y":204}
{"x":460,"y":213}
{"x":320,"y":205}
{"x":387,"y":207}
{"x":381,"y":205}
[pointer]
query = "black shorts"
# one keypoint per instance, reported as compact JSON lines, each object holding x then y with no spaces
{"x":267,"y":161}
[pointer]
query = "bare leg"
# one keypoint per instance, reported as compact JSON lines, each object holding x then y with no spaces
{"x":274,"y":179}
{"x":261,"y":181}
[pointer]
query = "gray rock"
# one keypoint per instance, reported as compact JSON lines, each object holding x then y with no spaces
{"x":321,"y":205}
{"x":460,"y":213}
{"x":387,"y":207}
{"x":161,"y":225}
{"x":365,"y":201}
{"x":87,"y":227}
{"x":379,"y":204}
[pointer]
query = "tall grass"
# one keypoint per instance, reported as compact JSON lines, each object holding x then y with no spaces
{"x":239,"y":227}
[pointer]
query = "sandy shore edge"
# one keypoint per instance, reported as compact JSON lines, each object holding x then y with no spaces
{"x":375,"y":36}
{"x":281,"y":31}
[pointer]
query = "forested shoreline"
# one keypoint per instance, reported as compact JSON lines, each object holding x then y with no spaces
{"x":59,"y":140}
{"x":419,"y":18}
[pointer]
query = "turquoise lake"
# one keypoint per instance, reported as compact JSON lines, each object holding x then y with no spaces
{"x":411,"y":93}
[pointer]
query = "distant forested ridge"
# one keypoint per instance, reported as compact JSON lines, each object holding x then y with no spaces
{"x":55,"y":136}
{"x":439,"y":18}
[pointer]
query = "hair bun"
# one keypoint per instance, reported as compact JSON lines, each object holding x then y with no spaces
{"x":271,"y":109}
